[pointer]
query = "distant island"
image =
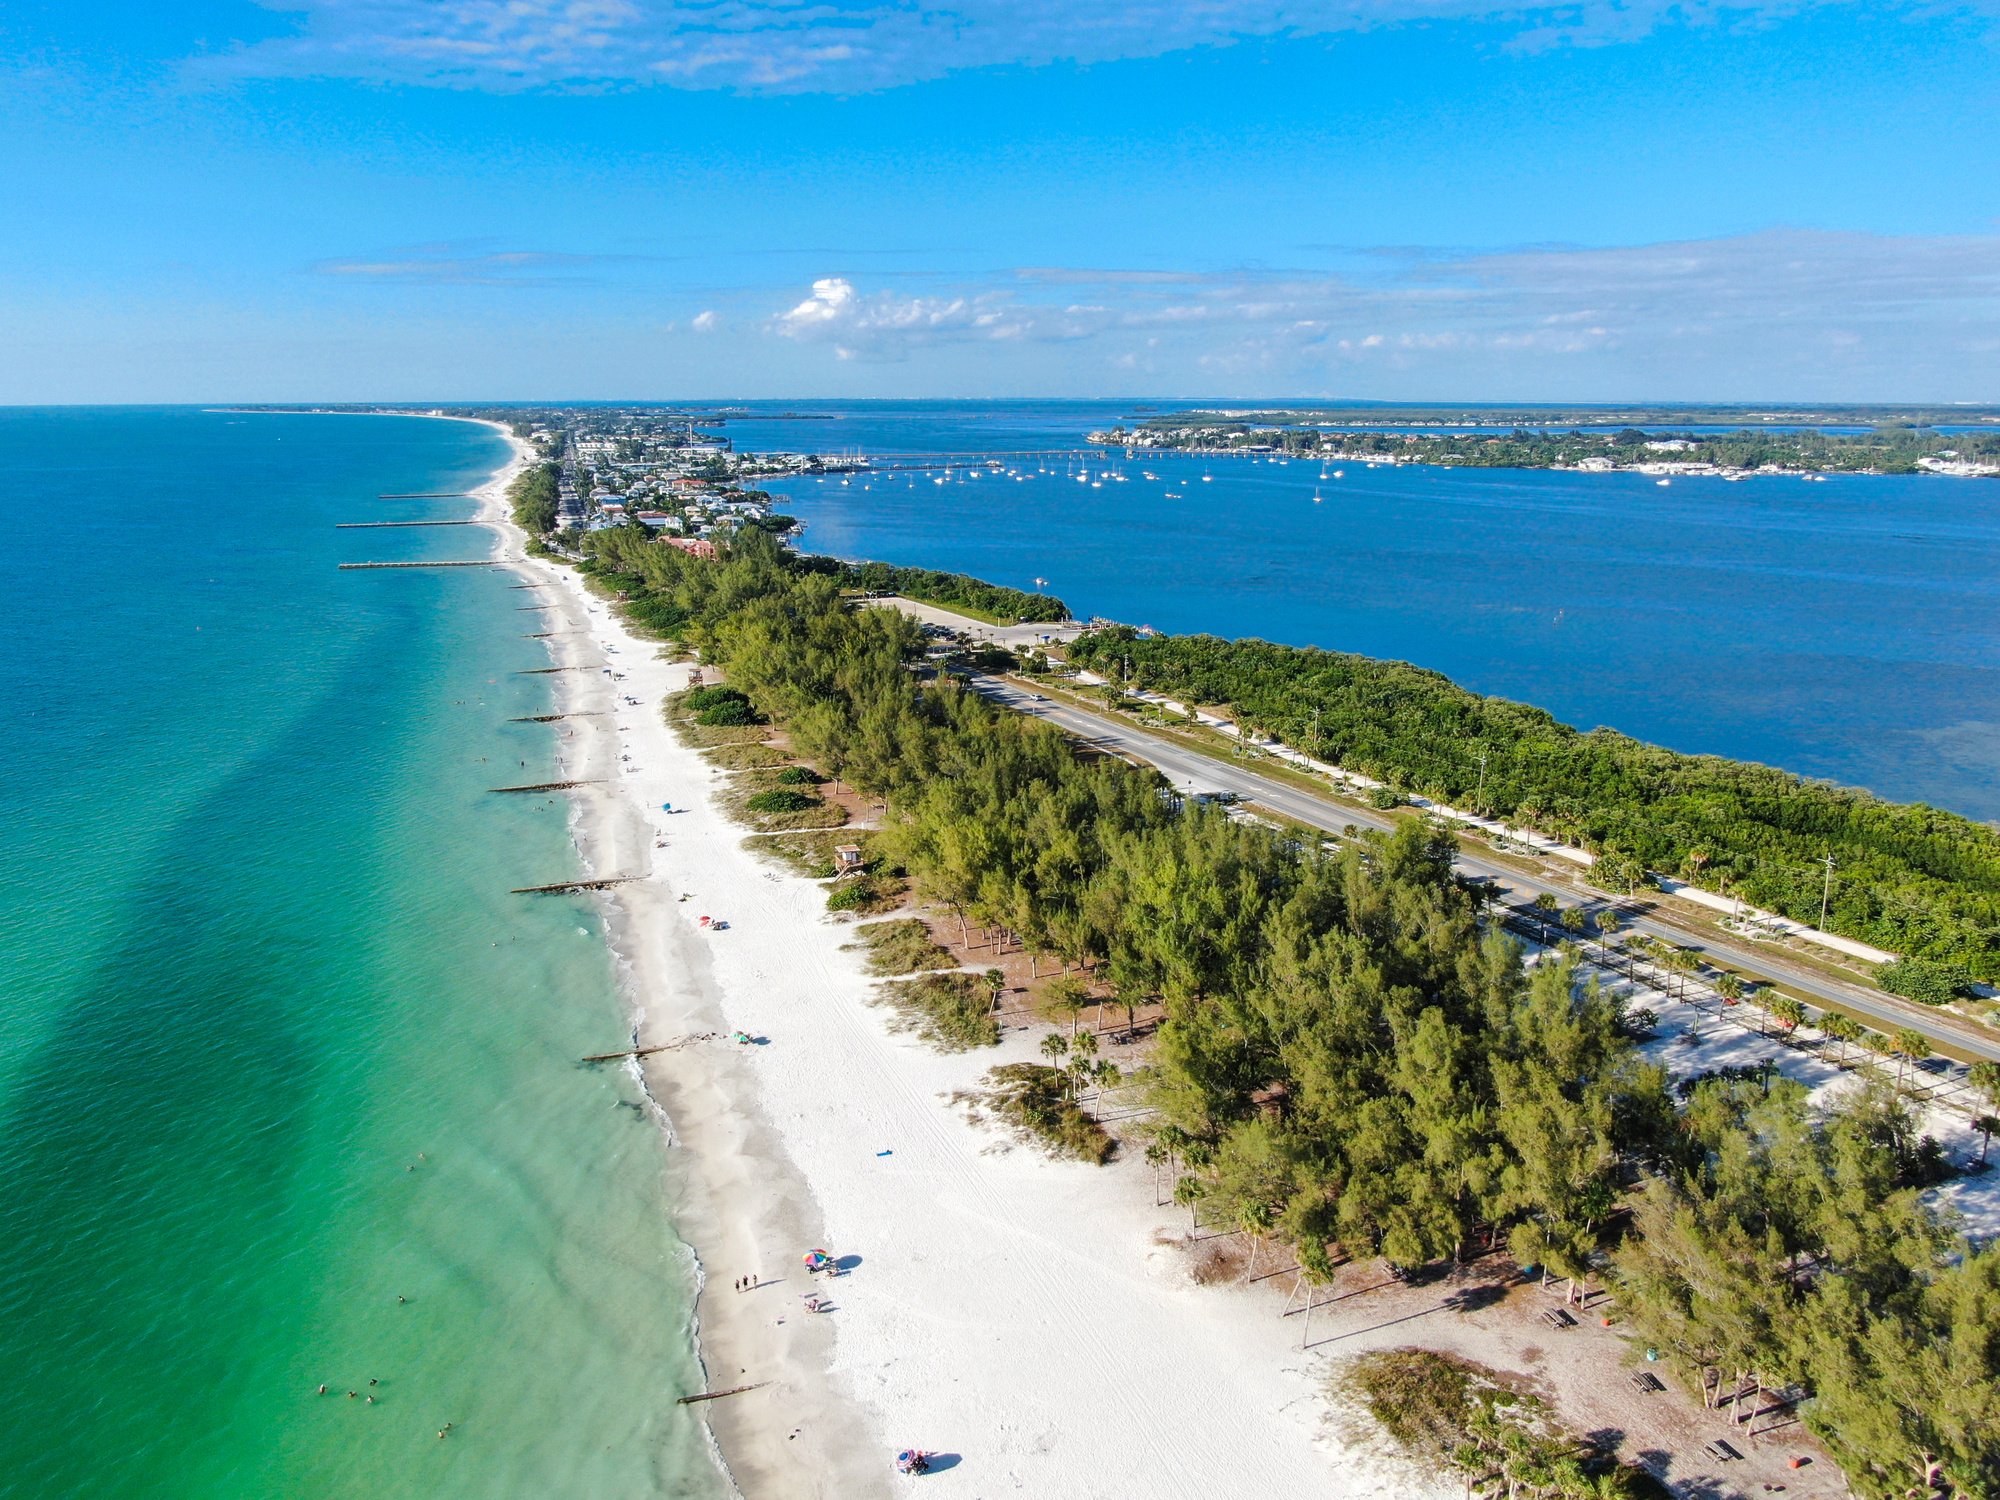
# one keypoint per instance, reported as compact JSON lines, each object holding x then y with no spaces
{"x":1964,"y":442}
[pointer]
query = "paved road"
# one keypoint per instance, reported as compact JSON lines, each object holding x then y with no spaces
{"x":1010,"y":636}
{"x":1195,"y":772}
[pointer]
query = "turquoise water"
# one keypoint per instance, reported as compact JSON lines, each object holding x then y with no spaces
{"x":276,"y":1047}
{"x":1848,"y":629}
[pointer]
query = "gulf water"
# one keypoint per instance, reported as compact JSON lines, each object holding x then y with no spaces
{"x":289,"y":1084}
{"x":1848,"y":629}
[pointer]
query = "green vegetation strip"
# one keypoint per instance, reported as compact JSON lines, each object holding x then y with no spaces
{"x":1350,"y":1060}
{"x":1909,"y":878}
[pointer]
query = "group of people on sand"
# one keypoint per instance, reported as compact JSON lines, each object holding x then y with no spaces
{"x":748,"y":1283}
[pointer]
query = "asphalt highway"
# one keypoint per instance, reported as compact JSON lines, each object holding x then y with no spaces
{"x":1191,"y":771}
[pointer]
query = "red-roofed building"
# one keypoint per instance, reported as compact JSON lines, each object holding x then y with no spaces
{"x":693,"y":546}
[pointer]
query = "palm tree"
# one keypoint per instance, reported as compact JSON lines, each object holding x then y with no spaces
{"x":1840,"y":1028}
{"x":1545,"y":905}
{"x":1254,"y":1219}
{"x":1985,"y":1076}
{"x":1877,"y":1043}
{"x":1082,"y":1062}
{"x":1187,"y":1193}
{"x":1608,"y":923}
{"x":1682,"y":962}
{"x":1103,"y":1074}
{"x":1157,"y":1156}
{"x":1788,"y":1013}
{"x":1729,"y":985}
{"x":1988,"y":1126}
{"x":1055,"y":1047}
{"x":1909,"y":1044}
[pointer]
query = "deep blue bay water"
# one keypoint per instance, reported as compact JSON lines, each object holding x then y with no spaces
{"x":276,"y":1047}
{"x":1848,"y":629}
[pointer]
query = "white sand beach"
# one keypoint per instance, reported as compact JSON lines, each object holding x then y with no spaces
{"x":1033,"y":1322}
{"x":1038,"y":1324}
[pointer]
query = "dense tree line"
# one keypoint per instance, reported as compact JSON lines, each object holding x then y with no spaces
{"x":1885,"y":450}
{"x":1351,"y":1061}
{"x":533,"y":495}
{"x":1907,"y":877}
{"x":973,"y":596}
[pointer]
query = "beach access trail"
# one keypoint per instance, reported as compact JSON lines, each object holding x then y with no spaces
{"x":1032,"y":1322}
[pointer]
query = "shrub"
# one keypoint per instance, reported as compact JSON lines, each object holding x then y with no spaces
{"x":799,"y":776}
{"x":851,"y":895}
{"x":1448,"y":1410}
{"x":1384,"y":797}
{"x":1922,"y":980}
{"x":899,"y":947}
{"x":954,"y":1012}
{"x":733,"y":712}
{"x":657,"y":615}
{"x":779,"y":800}
{"x":1034,"y":1100}
{"x":708,"y":697}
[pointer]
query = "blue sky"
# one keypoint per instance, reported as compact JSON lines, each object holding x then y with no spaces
{"x":1400,"y":199}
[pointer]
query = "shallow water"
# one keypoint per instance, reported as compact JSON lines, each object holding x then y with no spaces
{"x":1848,"y":629}
{"x":276,"y":1047}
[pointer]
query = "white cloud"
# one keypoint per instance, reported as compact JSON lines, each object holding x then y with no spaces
{"x":847,"y":46}
{"x":706,"y":322}
{"x":1760,"y":314}
{"x":449,"y":265}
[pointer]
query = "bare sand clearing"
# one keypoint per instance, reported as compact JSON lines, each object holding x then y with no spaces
{"x":1030,"y":1321}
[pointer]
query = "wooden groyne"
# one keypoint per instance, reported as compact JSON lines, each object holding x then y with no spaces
{"x":549,"y":635}
{"x":491,"y":562}
{"x":429,"y":495}
{"x":544,"y":671}
{"x":527,"y":585}
{"x":674,"y":1046}
{"x":384,"y":525}
{"x":563,"y":887}
{"x":734,"y":1390}
{"x":595,"y":713}
{"x":545,"y":786}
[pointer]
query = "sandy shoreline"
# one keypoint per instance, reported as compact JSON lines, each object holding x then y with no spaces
{"x":1035,"y":1321}
{"x":1038,"y":1323}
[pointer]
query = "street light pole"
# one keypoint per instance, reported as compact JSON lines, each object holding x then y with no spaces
{"x":1826,"y":893}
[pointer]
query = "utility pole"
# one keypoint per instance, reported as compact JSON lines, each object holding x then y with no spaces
{"x":1479,"y":797}
{"x":1826,"y":893}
